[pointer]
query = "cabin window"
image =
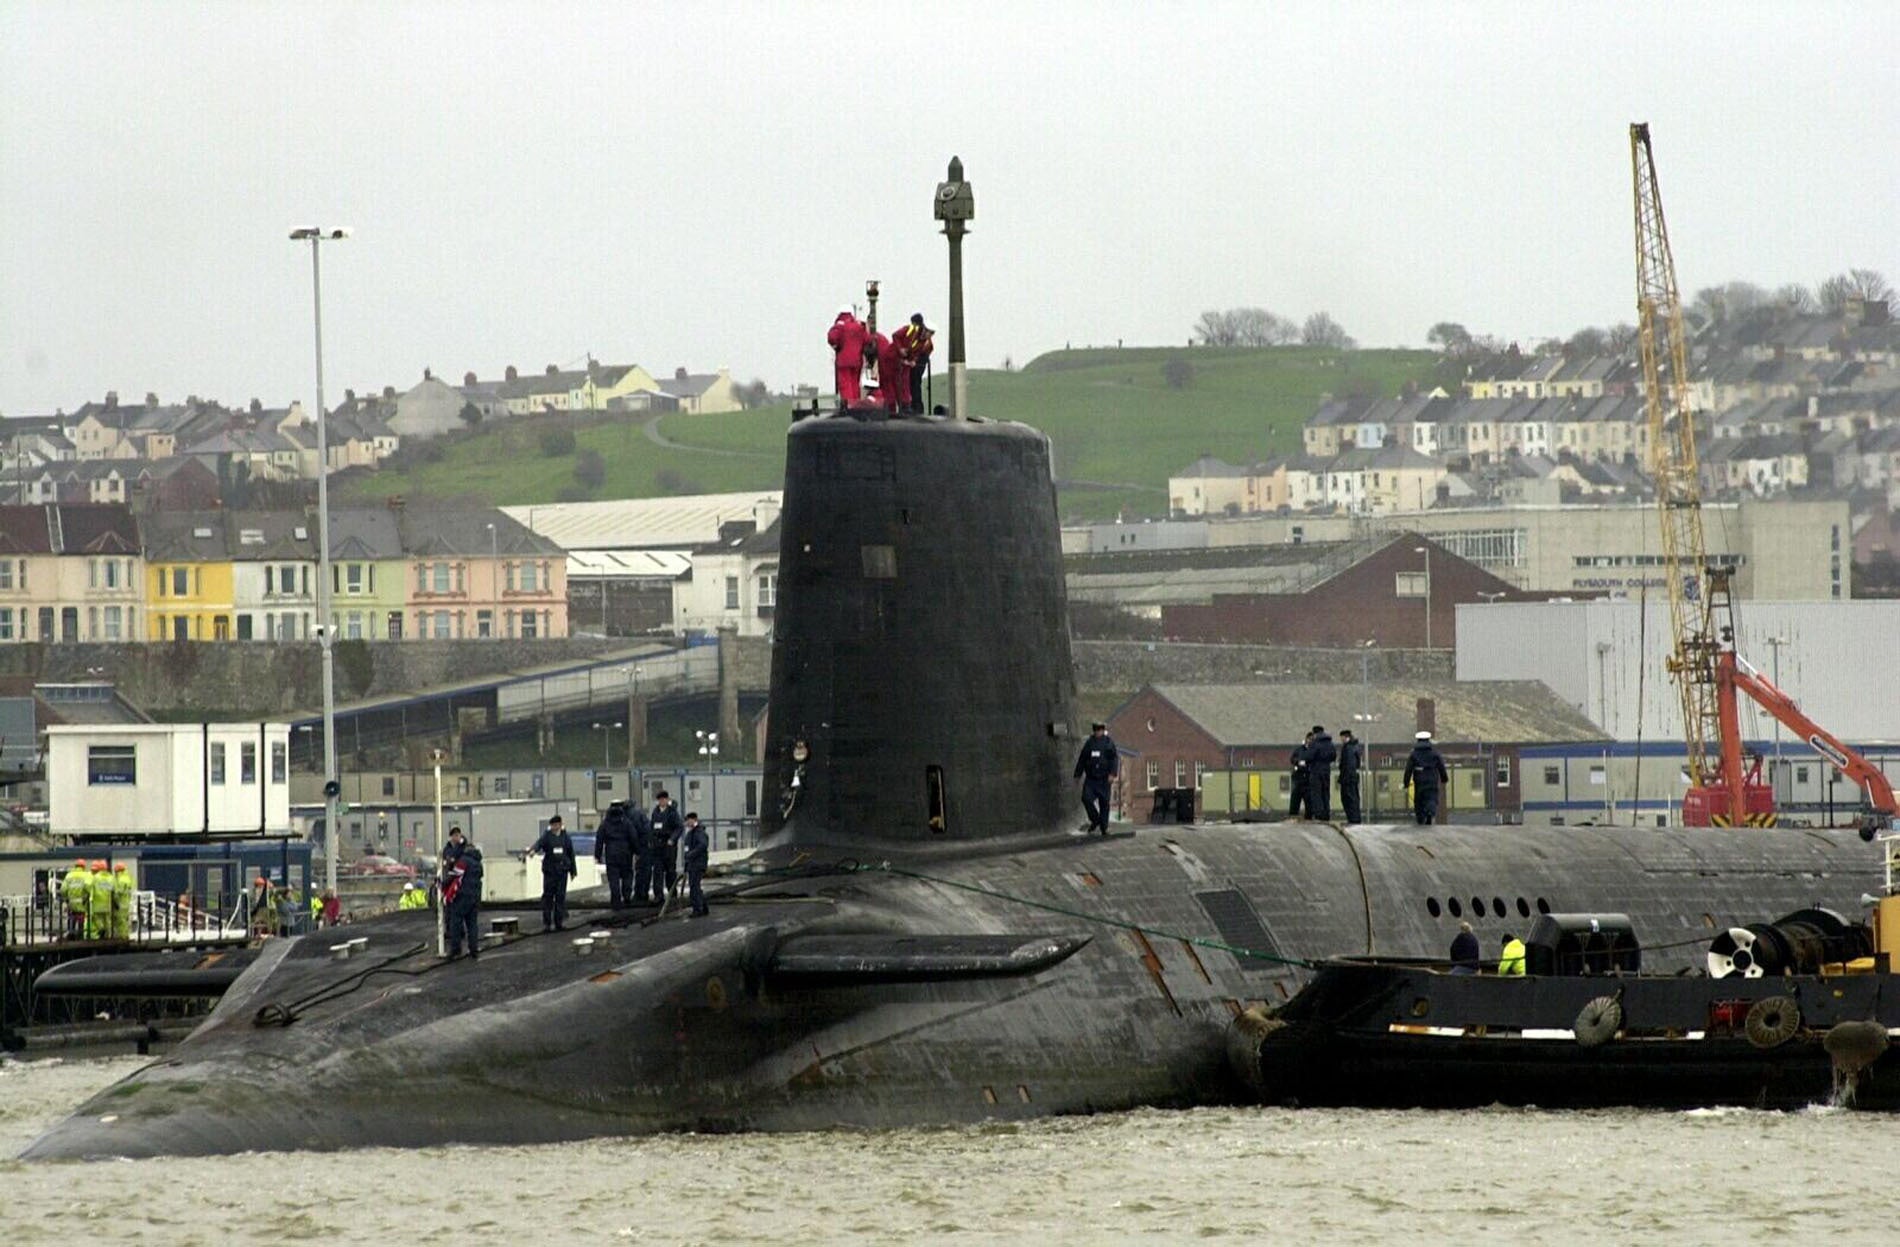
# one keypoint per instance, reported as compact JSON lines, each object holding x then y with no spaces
{"x":247,"y":763}
{"x":217,"y":763}
{"x":938,"y":803}
{"x":112,"y":764}
{"x":1154,"y":775}
{"x":279,"y":762}
{"x":1553,"y":776}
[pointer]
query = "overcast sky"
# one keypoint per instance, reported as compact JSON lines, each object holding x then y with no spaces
{"x":702,"y":185}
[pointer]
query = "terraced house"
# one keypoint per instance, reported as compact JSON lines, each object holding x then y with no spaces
{"x":477,"y":573}
{"x":189,"y":574}
{"x":69,"y":574}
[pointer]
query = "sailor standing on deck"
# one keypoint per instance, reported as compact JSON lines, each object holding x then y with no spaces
{"x":556,"y":848}
{"x":462,"y":890}
{"x":698,"y":852}
{"x":1097,"y":766}
{"x":1319,"y":774}
{"x":1425,"y":771}
{"x":1296,"y":786}
{"x":616,"y":845}
{"x":1351,"y":758}
{"x":667,"y":830}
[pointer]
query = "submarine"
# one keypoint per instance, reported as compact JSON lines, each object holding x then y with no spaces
{"x":922,"y":937}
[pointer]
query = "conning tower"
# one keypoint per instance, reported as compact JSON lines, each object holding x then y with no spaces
{"x":922,"y":685}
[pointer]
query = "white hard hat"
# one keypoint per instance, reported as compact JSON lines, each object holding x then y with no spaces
{"x":1424,"y":736}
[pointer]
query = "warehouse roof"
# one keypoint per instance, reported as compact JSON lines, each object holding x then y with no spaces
{"x":1502,"y":711}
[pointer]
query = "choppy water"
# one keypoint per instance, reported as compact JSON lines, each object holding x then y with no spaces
{"x":1257,"y":1176}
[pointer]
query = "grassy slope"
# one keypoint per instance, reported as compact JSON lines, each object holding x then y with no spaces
{"x":1118,"y":429}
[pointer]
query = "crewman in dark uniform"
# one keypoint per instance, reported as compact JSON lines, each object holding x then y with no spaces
{"x":1351,"y":757}
{"x":556,"y":848}
{"x":616,"y":845}
{"x":1320,"y":754}
{"x":1425,"y":772}
{"x":1296,"y":784}
{"x":667,"y":830}
{"x":1097,"y":766}
{"x":462,"y":889}
{"x":1465,"y":951}
{"x":698,"y":852}
{"x":453,"y":849}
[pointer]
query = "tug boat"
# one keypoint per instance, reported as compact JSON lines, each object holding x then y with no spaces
{"x":1785,"y":1014}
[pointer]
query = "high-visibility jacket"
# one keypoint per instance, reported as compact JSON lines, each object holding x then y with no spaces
{"x":102,"y":893}
{"x":124,"y":898}
{"x":1512,"y":962}
{"x":76,"y":887}
{"x":413,"y":898}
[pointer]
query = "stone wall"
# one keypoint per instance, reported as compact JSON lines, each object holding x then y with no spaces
{"x":256,"y":680}
{"x":1127,"y":665}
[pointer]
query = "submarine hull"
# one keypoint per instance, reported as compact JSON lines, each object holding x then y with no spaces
{"x":754,"y":1019}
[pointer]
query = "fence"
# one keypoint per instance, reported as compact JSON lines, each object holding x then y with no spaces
{"x":154,"y":921}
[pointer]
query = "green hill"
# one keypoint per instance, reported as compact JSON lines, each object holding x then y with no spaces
{"x":1117,"y":426}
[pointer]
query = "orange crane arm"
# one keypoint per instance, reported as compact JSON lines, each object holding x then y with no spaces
{"x":1738,"y":674}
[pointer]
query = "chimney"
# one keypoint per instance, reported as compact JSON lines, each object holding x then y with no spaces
{"x":511,"y":373}
{"x":1427,"y":716}
{"x":257,"y":405}
{"x":679,"y":374}
{"x":552,"y":370}
{"x":427,"y":375}
{"x":349,"y":397}
{"x":389,"y":391}
{"x":151,"y":398}
{"x":468,"y":378}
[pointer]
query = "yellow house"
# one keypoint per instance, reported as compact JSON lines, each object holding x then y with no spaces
{"x":603,"y":383}
{"x":189,"y":592}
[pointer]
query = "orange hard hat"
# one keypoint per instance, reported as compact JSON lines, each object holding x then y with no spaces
{"x":118,"y":866}
{"x":81,"y":863}
{"x":100,"y":864}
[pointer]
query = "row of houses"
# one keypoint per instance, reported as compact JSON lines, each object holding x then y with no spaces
{"x":81,"y":573}
{"x":108,"y":451}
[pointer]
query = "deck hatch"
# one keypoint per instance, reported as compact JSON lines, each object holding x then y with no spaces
{"x":1240,"y":926}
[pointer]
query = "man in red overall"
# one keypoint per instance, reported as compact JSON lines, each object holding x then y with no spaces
{"x":891,"y":374}
{"x":848,"y":340}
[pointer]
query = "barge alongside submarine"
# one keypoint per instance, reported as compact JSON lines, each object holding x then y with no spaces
{"x":1788,"y":1014}
{"x":921,"y":940}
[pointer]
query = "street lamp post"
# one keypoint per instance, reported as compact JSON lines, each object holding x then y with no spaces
{"x":332,"y":784}
{"x":441,"y":906}
{"x":1775,"y":643}
{"x":709,"y":750}
{"x":606,"y":731}
{"x":1427,"y":552}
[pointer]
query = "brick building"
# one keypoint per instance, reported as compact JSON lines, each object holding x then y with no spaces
{"x":1230,"y":742}
{"x":1383,"y":597}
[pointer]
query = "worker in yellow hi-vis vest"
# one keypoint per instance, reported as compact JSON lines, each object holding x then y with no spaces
{"x":99,"y":915}
{"x":124,"y":897}
{"x":76,"y":890}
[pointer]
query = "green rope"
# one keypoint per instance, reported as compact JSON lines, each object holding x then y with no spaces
{"x":1195,"y":940}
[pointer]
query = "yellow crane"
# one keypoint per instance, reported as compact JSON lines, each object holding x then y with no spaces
{"x":1701,"y":622}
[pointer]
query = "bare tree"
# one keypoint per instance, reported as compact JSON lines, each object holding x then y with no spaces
{"x":1620,"y":338}
{"x":1256,"y":326}
{"x":1217,"y":329}
{"x":1730,"y":301}
{"x":753,"y":393}
{"x":1855,"y":283}
{"x":1797,"y":299}
{"x":1321,"y":329}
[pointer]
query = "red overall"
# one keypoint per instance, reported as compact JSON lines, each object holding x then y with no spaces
{"x":848,"y":340}
{"x":892,"y":379}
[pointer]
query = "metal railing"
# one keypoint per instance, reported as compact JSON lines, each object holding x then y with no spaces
{"x":152,"y":920}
